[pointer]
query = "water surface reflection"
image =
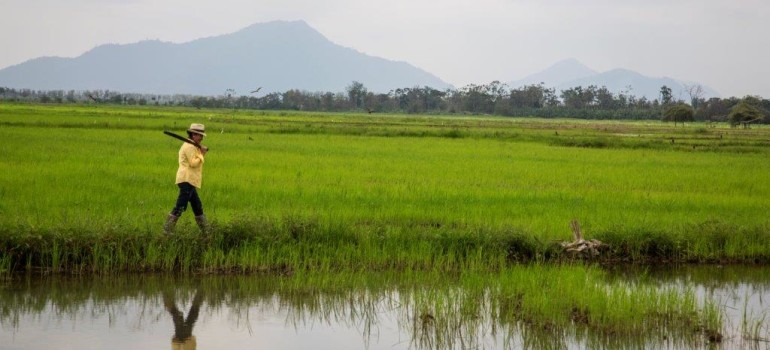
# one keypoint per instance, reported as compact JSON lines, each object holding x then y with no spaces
{"x":183,"y":326}
{"x":355,"y":311}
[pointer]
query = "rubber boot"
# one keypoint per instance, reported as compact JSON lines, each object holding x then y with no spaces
{"x":168,"y":227}
{"x":202,"y":223}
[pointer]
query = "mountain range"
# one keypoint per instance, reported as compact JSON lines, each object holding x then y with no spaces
{"x":276,"y":56}
{"x":571,"y":73}
{"x":279,"y":56}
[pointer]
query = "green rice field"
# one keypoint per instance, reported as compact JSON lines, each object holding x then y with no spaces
{"x":87,"y":188}
{"x":331,"y":203}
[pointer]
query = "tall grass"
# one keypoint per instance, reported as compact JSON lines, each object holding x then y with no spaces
{"x":558,"y":303}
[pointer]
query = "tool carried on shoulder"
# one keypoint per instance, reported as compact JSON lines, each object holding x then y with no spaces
{"x":180,"y":137}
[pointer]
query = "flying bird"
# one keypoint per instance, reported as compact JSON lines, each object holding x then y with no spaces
{"x":257,"y":90}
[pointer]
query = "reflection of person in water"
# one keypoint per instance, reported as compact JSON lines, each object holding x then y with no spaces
{"x":183,"y":338}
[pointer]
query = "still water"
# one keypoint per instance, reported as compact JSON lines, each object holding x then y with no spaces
{"x":380,"y":311}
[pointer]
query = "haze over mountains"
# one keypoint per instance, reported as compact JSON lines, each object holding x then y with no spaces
{"x":278,"y":56}
{"x":570,"y":73}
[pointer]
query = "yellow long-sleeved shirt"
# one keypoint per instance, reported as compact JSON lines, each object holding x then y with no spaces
{"x":190,"y":165}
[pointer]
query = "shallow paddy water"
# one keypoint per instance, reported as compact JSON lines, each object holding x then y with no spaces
{"x":379,"y":311}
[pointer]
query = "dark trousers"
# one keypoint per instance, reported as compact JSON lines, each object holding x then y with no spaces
{"x":187,"y":194}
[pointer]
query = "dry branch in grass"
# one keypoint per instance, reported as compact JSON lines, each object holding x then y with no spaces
{"x":579,"y":245}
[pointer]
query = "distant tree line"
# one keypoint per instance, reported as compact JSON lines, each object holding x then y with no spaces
{"x":495,"y":98}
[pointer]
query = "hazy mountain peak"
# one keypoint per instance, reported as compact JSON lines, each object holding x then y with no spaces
{"x":571,"y":73}
{"x":571,"y":65}
{"x":277,"y":56}
{"x":621,"y":80}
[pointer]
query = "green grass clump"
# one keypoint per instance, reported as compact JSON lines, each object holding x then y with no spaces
{"x":291,"y":244}
{"x":263,"y":245}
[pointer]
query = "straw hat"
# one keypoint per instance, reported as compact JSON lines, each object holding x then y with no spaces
{"x":197,"y":128}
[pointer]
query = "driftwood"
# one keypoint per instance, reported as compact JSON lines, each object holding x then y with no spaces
{"x":581,"y":246}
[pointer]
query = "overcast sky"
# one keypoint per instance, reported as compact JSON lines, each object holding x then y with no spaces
{"x":724,"y":44}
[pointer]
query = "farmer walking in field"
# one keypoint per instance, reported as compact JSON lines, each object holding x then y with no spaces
{"x":188,"y":179}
